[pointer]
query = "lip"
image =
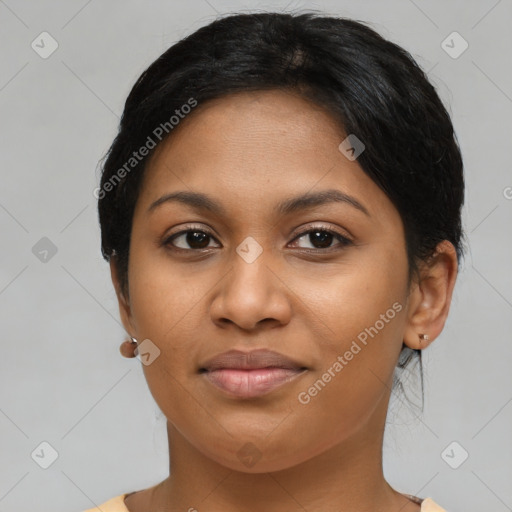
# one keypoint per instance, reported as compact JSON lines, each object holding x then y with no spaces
{"x":250,"y":374}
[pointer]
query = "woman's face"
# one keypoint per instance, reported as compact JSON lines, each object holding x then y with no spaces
{"x":334,"y":301}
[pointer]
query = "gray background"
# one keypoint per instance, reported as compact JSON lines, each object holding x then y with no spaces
{"x":62,"y":378}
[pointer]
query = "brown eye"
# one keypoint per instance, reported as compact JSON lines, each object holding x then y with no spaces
{"x":322,"y":238}
{"x":198,"y":239}
{"x":191,"y":239}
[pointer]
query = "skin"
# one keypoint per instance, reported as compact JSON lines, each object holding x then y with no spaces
{"x":250,"y":151}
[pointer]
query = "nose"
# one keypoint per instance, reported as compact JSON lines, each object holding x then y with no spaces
{"x":251,"y":295}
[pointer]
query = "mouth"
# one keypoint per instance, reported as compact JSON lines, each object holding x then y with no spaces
{"x":250,"y":374}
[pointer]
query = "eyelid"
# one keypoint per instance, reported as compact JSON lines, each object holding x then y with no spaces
{"x":167,"y":239}
{"x":323,"y":227}
{"x":344,"y":238}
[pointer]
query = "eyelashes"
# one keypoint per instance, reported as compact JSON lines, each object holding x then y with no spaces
{"x":197,"y":239}
{"x":331,"y":236}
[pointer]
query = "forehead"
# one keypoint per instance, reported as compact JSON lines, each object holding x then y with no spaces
{"x":253,"y":149}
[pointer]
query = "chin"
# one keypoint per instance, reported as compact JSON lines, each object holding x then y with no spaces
{"x":255,"y":454}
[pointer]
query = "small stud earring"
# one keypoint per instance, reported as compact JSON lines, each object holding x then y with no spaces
{"x":424,"y":337}
{"x":133,"y":340}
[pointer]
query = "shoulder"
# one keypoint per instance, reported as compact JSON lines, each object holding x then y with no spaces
{"x":429,"y":505}
{"x":116,"y":504}
{"x":113,"y":505}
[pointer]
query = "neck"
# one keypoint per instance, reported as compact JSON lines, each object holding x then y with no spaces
{"x":345,"y":478}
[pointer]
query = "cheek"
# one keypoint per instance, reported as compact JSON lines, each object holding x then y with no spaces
{"x":164,"y":294}
{"x":168,"y":303}
{"x":343,"y":302}
{"x":359,"y":315}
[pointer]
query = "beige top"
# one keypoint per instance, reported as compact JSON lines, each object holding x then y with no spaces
{"x":117,"y":505}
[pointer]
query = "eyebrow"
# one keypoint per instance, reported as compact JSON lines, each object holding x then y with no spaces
{"x":306,"y":201}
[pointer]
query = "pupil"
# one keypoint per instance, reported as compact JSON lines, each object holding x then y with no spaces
{"x":324,"y":238}
{"x":195,"y":238}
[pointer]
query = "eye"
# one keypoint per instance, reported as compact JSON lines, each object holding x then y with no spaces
{"x":321,"y":238}
{"x":196,"y":239}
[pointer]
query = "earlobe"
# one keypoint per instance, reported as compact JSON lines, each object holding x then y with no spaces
{"x":429,"y":302}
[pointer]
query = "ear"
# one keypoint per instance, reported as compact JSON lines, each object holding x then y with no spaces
{"x":124,"y":303}
{"x":430,"y":298}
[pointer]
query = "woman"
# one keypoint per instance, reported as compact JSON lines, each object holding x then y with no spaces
{"x":281,"y":214}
